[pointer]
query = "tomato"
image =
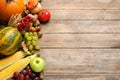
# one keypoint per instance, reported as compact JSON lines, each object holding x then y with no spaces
{"x":44,"y":15}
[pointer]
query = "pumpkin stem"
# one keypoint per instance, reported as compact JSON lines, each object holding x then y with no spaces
{"x":8,"y":1}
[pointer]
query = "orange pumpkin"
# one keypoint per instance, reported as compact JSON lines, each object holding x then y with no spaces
{"x":10,"y":7}
{"x":34,"y":0}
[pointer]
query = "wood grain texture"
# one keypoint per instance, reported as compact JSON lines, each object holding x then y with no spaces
{"x":85,"y":15}
{"x":80,"y":41}
{"x":95,"y":77}
{"x":61,"y":26}
{"x":81,"y":61}
{"x":81,"y":4}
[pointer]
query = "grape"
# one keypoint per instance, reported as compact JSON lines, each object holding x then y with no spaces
{"x":35,"y":33}
{"x":34,"y":42}
{"x":32,"y":52}
{"x":38,"y":28}
{"x":35,"y":38}
{"x":30,"y":47}
{"x":31,"y":34}
{"x":28,"y":43}
{"x":29,"y":72}
{"x":27,"y":77}
{"x":37,"y":78}
{"x":27,"y":68}
{"x":21,"y":77}
{"x":28,"y":53}
{"x":31,"y":24}
{"x":26,"y":34}
{"x":33,"y":75}
{"x":16,"y":74}
{"x":24,"y":72}
{"x":23,"y":32}
{"x":37,"y":47}
{"x":32,"y":29}
{"x":29,"y":38}
{"x":18,"y":78}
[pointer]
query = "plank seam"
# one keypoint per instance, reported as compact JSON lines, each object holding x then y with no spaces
{"x":85,"y":19}
{"x":81,"y":32}
{"x":80,"y":47}
{"x":75,"y":74}
{"x":83,"y":9}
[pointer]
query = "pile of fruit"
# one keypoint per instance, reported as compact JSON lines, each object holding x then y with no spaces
{"x":19,"y":34}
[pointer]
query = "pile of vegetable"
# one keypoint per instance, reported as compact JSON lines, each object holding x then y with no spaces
{"x":19,"y":34}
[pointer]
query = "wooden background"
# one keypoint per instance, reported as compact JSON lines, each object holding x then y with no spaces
{"x":82,"y":40}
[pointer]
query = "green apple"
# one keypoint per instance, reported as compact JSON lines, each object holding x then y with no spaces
{"x":37,"y":64}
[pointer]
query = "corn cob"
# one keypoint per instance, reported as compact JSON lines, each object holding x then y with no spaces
{"x":16,"y":67}
{"x":5,"y":62}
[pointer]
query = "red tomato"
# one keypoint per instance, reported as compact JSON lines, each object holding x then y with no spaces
{"x":44,"y":15}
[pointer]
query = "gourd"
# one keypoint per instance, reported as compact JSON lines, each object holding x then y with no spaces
{"x":9,"y":8}
{"x":10,"y":40}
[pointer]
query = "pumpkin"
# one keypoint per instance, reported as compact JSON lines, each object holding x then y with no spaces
{"x":9,"y":8}
{"x":34,"y":0}
{"x":10,"y":40}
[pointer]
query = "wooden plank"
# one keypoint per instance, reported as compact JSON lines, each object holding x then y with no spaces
{"x":61,"y":26}
{"x":85,"y":14}
{"x":75,"y":78}
{"x":81,"y":4}
{"x":88,"y":77}
{"x":80,"y":41}
{"x":76,"y":62}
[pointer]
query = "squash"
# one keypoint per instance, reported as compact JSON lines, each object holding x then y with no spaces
{"x":9,"y":8}
{"x":10,"y":40}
